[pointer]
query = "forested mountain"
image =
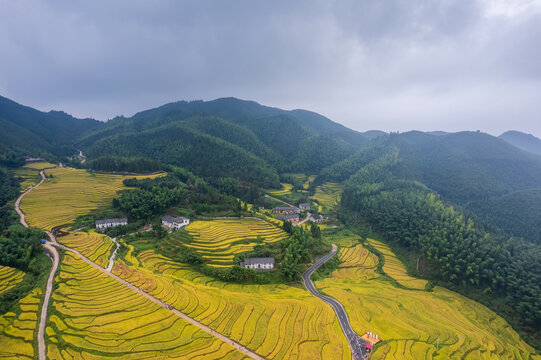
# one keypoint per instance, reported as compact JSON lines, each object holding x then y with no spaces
{"x":523,"y":141}
{"x":450,"y":246}
{"x":33,"y":132}
{"x":228,"y":138}
{"x":473,"y":170}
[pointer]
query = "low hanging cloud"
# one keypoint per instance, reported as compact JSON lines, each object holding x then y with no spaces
{"x":390,"y":65}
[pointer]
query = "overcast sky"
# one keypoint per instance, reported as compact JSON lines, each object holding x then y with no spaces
{"x":389,"y":65}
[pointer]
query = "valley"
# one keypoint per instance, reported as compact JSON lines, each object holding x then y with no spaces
{"x":91,"y":314}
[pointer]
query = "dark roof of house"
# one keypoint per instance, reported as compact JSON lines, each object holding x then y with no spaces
{"x":251,"y":261}
{"x":289,"y":216}
{"x":318,"y":216}
{"x":171,"y":219}
{"x":304,"y":205}
{"x":107,"y":221}
{"x":285,"y":208}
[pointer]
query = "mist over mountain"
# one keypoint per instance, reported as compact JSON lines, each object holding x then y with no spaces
{"x":523,"y":141}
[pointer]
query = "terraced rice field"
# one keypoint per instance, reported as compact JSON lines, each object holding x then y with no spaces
{"x":395,"y":269}
{"x":98,"y":318}
{"x":9,"y":277}
{"x":17,"y":331}
{"x":95,"y":246}
{"x":75,"y":192}
{"x":30,"y":174}
{"x":358,"y":263}
{"x":219,"y":240}
{"x":328,"y":194}
{"x":275,"y":321}
{"x":410,"y":321}
{"x":285,"y":190}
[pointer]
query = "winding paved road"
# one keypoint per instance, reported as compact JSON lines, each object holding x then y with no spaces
{"x":356,"y":344}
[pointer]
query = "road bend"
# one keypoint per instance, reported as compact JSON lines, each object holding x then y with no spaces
{"x":112,"y":259}
{"x":164,"y":305}
{"x":356,"y":343}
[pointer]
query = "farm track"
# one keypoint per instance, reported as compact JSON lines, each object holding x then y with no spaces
{"x":50,"y":249}
{"x":356,"y":344}
{"x":112,"y":259}
{"x":159,"y":302}
{"x":55,"y":259}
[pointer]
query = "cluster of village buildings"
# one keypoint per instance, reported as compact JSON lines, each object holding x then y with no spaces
{"x":290,"y":214}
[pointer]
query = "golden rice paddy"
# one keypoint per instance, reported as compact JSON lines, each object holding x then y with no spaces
{"x":275,"y":321}
{"x":395,"y":269}
{"x":95,"y":246}
{"x":219,"y":240}
{"x":69,"y":194}
{"x":30,"y":174}
{"x":415,"y":324}
{"x":328,"y":194}
{"x":9,"y":277}
{"x":285,"y":190}
{"x":99,"y":318}
{"x":17,"y":331}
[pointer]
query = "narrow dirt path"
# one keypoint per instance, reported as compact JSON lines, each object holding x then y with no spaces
{"x":112,"y":259}
{"x":282,"y":201}
{"x":55,"y":258}
{"x":305,"y":220}
{"x":22,"y":218}
{"x":164,"y":305}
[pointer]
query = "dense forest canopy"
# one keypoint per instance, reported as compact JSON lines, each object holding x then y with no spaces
{"x":463,"y":254}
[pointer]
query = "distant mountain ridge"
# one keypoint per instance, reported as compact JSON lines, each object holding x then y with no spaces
{"x":266,"y":140}
{"x":32,"y":131}
{"x":523,"y":141}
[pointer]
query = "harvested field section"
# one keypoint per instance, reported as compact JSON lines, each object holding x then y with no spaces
{"x":68,"y":194}
{"x":275,"y":321}
{"x":17,"y":331}
{"x":410,"y":321}
{"x":97,"y":317}
{"x":9,"y":277}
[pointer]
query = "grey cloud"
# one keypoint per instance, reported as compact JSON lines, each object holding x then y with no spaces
{"x":394,"y":65}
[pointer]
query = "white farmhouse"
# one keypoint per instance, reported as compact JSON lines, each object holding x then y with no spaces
{"x":175,"y":222}
{"x":106,"y":223}
{"x":304,"y":206}
{"x":258,"y":263}
{"x":317,"y":218}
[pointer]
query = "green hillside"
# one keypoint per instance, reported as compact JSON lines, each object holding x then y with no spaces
{"x":33,"y":132}
{"x":523,"y":141}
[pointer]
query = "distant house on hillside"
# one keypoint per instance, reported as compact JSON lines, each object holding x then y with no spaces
{"x":258,"y":263}
{"x":292,"y":218}
{"x":175,"y":222}
{"x":106,"y":223}
{"x":304,"y":206}
{"x":29,"y":159}
{"x":285,"y":210}
{"x":317,"y":218}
